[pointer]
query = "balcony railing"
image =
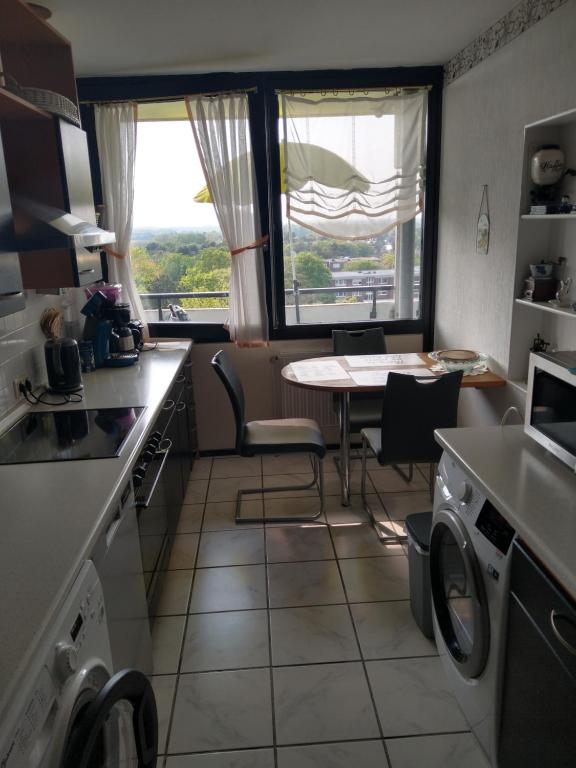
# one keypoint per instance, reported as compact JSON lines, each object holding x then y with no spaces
{"x":383,"y":292}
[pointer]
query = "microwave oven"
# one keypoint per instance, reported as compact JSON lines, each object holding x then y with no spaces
{"x":551,"y":404}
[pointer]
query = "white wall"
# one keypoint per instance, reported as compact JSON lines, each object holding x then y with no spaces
{"x":22,"y":347}
{"x":485,"y":112}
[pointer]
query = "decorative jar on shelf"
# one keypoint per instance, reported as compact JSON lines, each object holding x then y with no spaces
{"x":547,"y":165}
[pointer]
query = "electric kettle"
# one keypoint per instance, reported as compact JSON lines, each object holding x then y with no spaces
{"x":63,"y":366}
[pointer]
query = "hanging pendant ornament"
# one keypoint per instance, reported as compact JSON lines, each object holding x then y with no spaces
{"x":483,"y":227}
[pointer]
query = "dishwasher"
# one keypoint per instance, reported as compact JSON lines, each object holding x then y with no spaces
{"x":118,"y":561}
{"x":538,"y":704}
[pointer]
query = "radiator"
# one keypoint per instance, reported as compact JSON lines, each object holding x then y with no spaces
{"x":294,"y":402}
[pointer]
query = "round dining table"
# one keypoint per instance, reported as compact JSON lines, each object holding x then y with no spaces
{"x":369,"y":377}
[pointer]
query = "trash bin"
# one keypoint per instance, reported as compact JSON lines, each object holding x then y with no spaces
{"x":418,"y":527}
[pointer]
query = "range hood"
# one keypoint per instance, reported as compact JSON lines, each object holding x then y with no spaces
{"x":49,"y":228}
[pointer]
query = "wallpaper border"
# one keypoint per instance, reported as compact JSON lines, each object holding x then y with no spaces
{"x":514,"y":23}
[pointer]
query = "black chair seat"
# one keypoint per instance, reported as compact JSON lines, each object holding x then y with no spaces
{"x":283,"y":436}
{"x":365,"y":412}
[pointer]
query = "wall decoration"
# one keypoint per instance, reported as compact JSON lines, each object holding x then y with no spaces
{"x":483,"y":226}
{"x":514,"y":23}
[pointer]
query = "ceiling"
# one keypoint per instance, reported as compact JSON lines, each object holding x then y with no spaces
{"x":137,"y":37}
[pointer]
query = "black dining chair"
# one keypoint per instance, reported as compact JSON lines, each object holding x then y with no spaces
{"x":412,"y":409}
{"x":257,"y":438}
{"x":365,"y":407}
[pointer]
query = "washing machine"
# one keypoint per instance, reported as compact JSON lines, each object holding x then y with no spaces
{"x":70,"y":709}
{"x":470,"y":558}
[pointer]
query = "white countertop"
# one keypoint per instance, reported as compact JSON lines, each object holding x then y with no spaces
{"x":533,"y":490}
{"x":52,"y":513}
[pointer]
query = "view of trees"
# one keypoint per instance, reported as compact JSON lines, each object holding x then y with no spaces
{"x":194,"y":260}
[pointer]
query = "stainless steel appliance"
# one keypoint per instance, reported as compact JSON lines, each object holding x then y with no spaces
{"x":72,"y":707}
{"x":11,"y":293}
{"x":63,"y":365}
{"x":551,"y":403}
{"x":40,"y":436}
{"x":470,"y":556}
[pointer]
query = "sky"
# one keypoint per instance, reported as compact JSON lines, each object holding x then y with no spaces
{"x":168,"y":175}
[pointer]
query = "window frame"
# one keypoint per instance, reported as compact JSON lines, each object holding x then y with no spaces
{"x":262,"y":90}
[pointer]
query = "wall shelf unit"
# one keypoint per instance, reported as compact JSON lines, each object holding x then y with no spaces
{"x":545,"y":307}
{"x":552,"y":238}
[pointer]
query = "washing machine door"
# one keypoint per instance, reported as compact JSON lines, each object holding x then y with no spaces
{"x":118,"y":728}
{"x":458,"y":594}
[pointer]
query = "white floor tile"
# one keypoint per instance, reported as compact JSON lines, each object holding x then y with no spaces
{"x":229,"y":640}
{"x":323,"y":702}
{"x":183,"y":554}
{"x":370,"y":579}
{"x":190,"y":520}
{"x":164,"y":687}
{"x":412,"y":697}
{"x":298,"y":543}
{"x":362,"y":754}
{"x":219,"y":515}
{"x":400,"y":505}
{"x":226,"y":488}
{"x":175,"y":593}
{"x":312,"y":635}
{"x":196,"y":492}
{"x":388,"y":630}
{"x":222,"y":711}
{"x":362,"y":541}
{"x":218,"y":548}
{"x":247,"y":758}
{"x":237,"y":466}
{"x":454,"y":750}
{"x":232,"y":588}
{"x":201,"y":469}
{"x":296,"y":584}
{"x":390,"y":480}
{"x":292,"y":508}
{"x":286,"y":464}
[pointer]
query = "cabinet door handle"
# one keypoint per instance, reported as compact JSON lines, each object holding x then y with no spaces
{"x":180,"y":379}
{"x":164,"y":451}
{"x":181,"y":406}
{"x":168,"y":405}
{"x":554,"y":615}
{"x":11,"y":295}
{"x":87,"y":271}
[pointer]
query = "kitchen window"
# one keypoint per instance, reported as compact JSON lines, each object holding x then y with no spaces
{"x":190,"y":258}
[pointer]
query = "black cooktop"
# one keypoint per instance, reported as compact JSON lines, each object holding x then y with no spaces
{"x":41,"y":436}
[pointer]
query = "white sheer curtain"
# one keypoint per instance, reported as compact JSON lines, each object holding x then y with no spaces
{"x":116,"y":128}
{"x":221,"y":129}
{"x":354,"y":163}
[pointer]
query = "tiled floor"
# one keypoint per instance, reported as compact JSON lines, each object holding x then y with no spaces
{"x":293,"y":646}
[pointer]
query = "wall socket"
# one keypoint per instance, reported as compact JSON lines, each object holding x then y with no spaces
{"x":20,"y":380}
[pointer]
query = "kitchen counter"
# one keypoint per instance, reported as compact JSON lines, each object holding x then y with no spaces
{"x":53,"y":513}
{"x":533,"y":490}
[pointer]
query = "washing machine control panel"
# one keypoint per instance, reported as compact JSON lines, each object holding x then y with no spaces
{"x":79,"y":634}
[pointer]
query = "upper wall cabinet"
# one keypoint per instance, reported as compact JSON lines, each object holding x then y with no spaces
{"x":545,"y":237}
{"x":46,"y":156}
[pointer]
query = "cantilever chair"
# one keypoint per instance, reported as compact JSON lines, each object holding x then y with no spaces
{"x":412,"y":409}
{"x":256,"y":438}
{"x":365,"y":407}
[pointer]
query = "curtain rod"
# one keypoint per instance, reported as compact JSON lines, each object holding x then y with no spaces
{"x":388,"y":90}
{"x":168,"y":99}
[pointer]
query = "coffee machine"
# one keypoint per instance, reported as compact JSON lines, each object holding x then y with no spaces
{"x":115,"y":337}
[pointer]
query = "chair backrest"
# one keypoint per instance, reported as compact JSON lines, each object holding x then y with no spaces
{"x":412,"y":409}
{"x":370,"y":341}
{"x":228,"y":376}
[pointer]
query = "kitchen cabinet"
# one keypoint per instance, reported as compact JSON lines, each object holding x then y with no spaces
{"x":539,"y":680}
{"x":46,"y":157}
{"x":161,"y":476}
{"x":543,"y":238}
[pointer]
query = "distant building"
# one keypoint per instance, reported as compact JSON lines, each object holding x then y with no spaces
{"x":366,"y":278}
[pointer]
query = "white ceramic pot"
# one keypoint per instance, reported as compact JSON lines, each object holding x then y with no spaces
{"x":547,"y":165}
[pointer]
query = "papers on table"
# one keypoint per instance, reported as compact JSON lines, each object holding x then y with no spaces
{"x":383,"y":361}
{"x":310,"y":370}
{"x":380,"y":378}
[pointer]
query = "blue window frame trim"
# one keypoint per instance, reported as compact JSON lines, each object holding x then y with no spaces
{"x":262,"y":87}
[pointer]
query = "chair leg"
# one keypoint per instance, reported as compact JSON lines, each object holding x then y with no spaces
{"x":408,"y":477}
{"x":388,"y":533}
{"x":317,"y":480}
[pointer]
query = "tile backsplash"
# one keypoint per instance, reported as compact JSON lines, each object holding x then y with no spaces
{"x":22,"y":346}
